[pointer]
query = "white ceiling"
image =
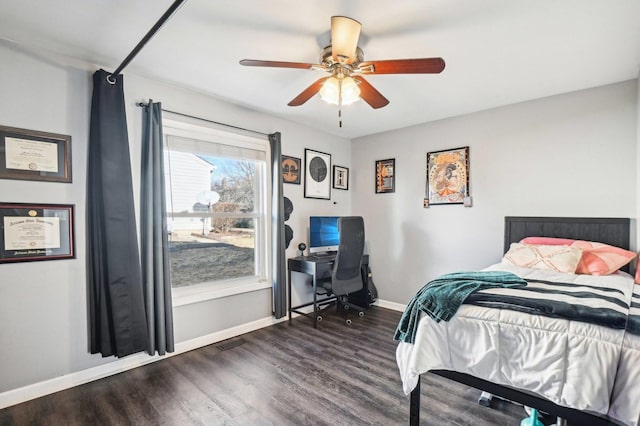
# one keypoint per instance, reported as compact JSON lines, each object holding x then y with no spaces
{"x":497,"y":52}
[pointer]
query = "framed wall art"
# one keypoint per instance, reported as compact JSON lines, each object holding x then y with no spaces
{"x":317,"y":181}
{"x":290,"y":169}
{"x":447,"y":176}
{"x":340,"y":177}
{"x":385,"y":176}
{"x":30,"y":232}
{"x":33,"y":155}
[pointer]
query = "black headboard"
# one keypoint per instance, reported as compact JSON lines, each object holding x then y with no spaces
{"x":612,"y":231}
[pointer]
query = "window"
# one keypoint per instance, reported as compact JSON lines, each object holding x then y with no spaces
{"x":217,"y":204}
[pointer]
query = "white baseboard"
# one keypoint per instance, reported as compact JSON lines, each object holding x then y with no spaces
{"x":390,"y":305}
{"x":46,"y":387}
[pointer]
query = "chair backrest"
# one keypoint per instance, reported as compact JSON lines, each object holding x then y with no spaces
{"x":345,"y":277}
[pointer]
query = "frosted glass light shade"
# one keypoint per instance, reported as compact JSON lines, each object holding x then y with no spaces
{"x":330,"y":91}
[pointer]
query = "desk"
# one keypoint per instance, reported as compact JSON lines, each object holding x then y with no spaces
{"x":320,"y":267}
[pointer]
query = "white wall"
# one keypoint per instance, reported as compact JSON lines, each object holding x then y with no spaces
{"x":43,"y":305}
{"x":568,"y":155}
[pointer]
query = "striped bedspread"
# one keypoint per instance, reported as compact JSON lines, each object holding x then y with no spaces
{"x":633,"y":325}
{"x":573,"y":339}
{"x":601,"y":305}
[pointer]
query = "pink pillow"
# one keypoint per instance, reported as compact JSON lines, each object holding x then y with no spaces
{"x":547,"y":241}
{"x":601,"y":259}
{"x":638,"y":274}
{"x":597,"y":258}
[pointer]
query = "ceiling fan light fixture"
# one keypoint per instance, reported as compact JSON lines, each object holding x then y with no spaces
{"x":344,"y":61}
{"x":332,"y":93}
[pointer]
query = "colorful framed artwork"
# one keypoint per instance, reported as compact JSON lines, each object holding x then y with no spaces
{"x":340,"y":177}
{"x":447,"y":176}
{"x":34,"y":155}
{"x":30,"y":232}
{"x":317,"y":180}
{"x":290,"y":169}
{"x":385,"y":176}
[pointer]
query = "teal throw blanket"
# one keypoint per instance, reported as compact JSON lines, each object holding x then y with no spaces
{"x":441,"y":298}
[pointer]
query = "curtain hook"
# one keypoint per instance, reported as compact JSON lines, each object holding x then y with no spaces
{"x":110,"y":79}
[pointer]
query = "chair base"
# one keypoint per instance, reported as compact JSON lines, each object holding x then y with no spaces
{"x":342,"y":306}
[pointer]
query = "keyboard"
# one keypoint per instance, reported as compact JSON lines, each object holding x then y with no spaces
{"x":327,"y":256}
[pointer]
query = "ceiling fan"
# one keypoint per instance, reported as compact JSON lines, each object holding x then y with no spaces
{"x":344,"y":61}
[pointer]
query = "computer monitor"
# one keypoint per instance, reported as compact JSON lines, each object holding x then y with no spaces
{"x":323,"y":234}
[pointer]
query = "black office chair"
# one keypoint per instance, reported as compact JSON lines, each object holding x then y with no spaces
{"x":346,"y":275}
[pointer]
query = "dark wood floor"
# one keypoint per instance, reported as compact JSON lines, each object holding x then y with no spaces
{"x":287,"y":374}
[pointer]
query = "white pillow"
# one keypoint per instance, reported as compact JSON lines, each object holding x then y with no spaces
{"x":554,"y":258}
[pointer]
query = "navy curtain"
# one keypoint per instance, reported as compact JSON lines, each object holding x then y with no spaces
{"x":277,"y":222}
{"x":117,"y":319}
{"x":154,"y":241}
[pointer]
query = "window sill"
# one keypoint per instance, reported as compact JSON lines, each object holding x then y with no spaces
{"x":186,"y":296}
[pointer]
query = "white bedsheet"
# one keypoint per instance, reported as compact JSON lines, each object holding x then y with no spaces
{"x":571,"y":363}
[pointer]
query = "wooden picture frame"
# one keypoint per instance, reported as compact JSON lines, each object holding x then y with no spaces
{"x":32,"y":232}
{"x":341,"y":177}
{"x":317,"y":178}
{"x":448,"y":176}
{"x":34,"y":155}
{"x":291,"y":171}
{"x":386,"y":176}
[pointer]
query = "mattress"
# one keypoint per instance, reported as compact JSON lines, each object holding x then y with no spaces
{"x":575,"y":364}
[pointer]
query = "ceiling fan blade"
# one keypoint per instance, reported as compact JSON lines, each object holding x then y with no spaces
{"x":308,"y":92}
{"x":403,"y":66}
{"x":277,"y":64}
{"x":345,"y":33}
{"x":370,"y":94}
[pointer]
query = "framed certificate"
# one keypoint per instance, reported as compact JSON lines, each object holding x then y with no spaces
{"x":33,"y":155}
{"x":30,"y":232}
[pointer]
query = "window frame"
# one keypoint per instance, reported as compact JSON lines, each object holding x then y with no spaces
{"x":205,"y":132}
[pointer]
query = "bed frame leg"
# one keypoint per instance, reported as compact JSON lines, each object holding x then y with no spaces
{"x":414,"y":407}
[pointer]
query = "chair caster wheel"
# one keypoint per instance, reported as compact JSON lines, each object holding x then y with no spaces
{"x":348,"y":322}
{"x":361,"y":313}
{"x":319,"y":318}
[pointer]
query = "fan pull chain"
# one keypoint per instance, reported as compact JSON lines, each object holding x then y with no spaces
{"x":340,"y":103}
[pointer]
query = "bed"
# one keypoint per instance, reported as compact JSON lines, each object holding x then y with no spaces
{"x":597,"y":380}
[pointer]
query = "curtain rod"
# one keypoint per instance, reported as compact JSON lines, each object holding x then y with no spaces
{"x":164,"y":18}
{"x":142,"y":104}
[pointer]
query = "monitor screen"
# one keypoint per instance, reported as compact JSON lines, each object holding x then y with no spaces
{"x":323,"y":234}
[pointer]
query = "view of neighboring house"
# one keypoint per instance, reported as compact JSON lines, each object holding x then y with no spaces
{"x":190,"y":178}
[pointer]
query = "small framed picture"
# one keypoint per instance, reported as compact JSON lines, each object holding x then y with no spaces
{"x":340,"y":177}
{"x":385,"y":176}
{"x":317,"y":181}
{"x":290,"y":169}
